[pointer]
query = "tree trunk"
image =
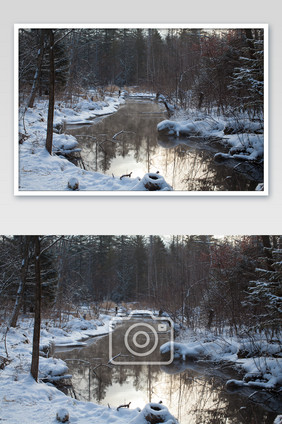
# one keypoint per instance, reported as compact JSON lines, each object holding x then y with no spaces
{"x":49,"y":137}
{"x":25,"y":240}
{"x":37,"y":315}
{"x":37,"y":75}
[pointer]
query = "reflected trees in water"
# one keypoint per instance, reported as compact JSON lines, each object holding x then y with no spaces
{"x":186,"y":163}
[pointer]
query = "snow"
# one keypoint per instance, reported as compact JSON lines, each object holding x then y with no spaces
{"x":191,"y":127}
{"x":40,"y":171}
{"x":142,"y":94}
{"x":73,"y":183}
{"x":153,"y":411}
{"x":261,"y":364}
{"x":156,"y":181}
{"x":244,"y":137}
{"x":52,"y":367}
{"x":141,"y":312}
{"x":25,"y":401}
{"x":62,"y":415}
{"x":199,"y":350}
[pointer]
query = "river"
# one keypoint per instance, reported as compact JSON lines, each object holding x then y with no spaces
{"x":186,"y":164}
{"x":194,"y":392}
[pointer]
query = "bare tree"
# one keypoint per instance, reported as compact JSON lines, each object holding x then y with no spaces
{"x":37,"y":74}
{"x":37,"y":315}
{"x":24,"y":247}
{"x":49,"y":137}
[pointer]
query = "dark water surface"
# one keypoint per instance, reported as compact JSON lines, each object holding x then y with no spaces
{"x":185,"y":163}
{"x":194,"y":393}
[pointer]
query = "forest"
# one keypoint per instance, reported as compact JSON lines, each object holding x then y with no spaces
{"x":199,"y":67}
{"x":64,"y":297}
{"x":198,"y":280}
{"x":210,"y":82}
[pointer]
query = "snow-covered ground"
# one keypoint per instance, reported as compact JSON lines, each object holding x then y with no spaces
{"x":39,"y":171}
{"x":244,"y":138}
{"x":24,"y":401}
{"x":258,"y":360}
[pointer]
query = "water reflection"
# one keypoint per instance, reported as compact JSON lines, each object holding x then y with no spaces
{"x":186,"y":164}
{"x":193,"y":392}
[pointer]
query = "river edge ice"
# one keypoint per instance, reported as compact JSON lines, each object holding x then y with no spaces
{"x":40,"y":171}
{"x":26,"y":401}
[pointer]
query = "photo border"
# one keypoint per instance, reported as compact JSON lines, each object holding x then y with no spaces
{"x":128,"y":193}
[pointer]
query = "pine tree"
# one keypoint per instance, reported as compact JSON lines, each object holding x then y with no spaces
{"x":247,"y":84}
{"x":265,"y":293}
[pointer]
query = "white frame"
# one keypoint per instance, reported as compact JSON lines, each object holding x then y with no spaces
{"x":111,"y":193}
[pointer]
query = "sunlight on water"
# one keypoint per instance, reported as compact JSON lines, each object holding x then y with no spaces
{"x":193,"y":392}
{"x":137,"y":147}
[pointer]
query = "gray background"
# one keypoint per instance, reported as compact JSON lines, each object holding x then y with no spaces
{"x":124,"y":215}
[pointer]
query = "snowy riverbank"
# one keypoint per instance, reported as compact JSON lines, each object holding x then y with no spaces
{"x":256,"y":359}
{"x":25,"y":401}
{"x":39,"y":171}
{"x":243,"y":137}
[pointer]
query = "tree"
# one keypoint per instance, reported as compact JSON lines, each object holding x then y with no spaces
{"x":25,"y":251}
{"x":264,"y":299}
{"x":247,"y":82}
{"x":37,"y":312}
{"x":49,"y":137}
{"x":37,"y":74}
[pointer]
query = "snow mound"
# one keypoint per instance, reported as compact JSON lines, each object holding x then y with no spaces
{"x":64,"y":142}
{"x":189,"y":127}
{"x":154,"y":413}
{"x":52,"y":367}
{"x":153,"y":182}
{"x":245,"y":137}
{"x":62,"y":415}
{"x":200,"y":350}
{"x":90,"y":105}
{"x":259,"y":360}
{"x":78,"y":324}
{"x":73,"y":183}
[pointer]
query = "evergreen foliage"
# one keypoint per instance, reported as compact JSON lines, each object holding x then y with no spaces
{"x":194,"y":67}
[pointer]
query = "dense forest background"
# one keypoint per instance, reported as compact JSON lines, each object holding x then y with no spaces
{"x":194,"y":67}
{"x":199,"y":280}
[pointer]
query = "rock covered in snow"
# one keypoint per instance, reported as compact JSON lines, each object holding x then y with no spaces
{"x":62,"y":415}
{"x":153,"y":182}
{"x":154,"y":413}
{"x":73,"y":183}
